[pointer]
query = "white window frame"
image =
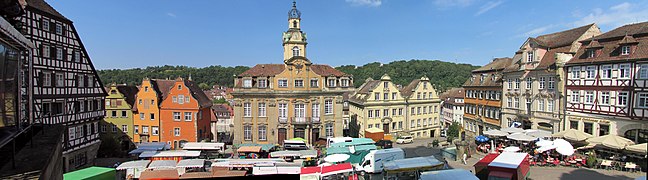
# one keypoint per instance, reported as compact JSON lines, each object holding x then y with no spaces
{"x":642,"y":100}
{"x":59,"y":53}
{"x":315,"y":110}
{"x":247,"y":133}
{"x":328,"y":106}
{"x":263,"y":133}
{"x":155,"y":130}
{"x":517,"y":83}
{"x":247,"y":83}
{"x":176,"y":131}
{"x":589,"y":97}
{"x":283,"y":110}
{"x":552,"y":83}
{"x":300,"y":110}
{"x":262,"y":110}
{"x":176,"y":116}
{"x":575,"y":72}
{"x":124,"y":128}
{"x":529,"y":83}
{"x":541,"y":105}
{"x":188,"y":116}
{"x":625,"y":50}
{"x":510,"y":85}
{"x":605,"y":98}
{"x":624,"y":71}
{"x":575,"y":97}
{"x":530,"y":56}
{"x":606,"y":71}
{"x":509,"y":102}
{"x":590,"y":72}
{"x":145,"y":130}
{"x":331,"y":82}
{"x":262,"y":83}
{"x":299,"y":83}
{"x":643,"y":71}
{"x":282,"y":83}
{"x":622,"y":98}
{"x":247,"y":109}
{"x":550,"y":105}
{"x":542,"y":81}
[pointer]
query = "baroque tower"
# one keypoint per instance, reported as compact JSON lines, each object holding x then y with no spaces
{"x":294,"y":40}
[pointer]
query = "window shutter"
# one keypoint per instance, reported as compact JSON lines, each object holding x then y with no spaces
{"x":41,"y":50}
{"x":65,"y":54}
{"x":63,"y":30}
{"x":53,"y":77}
{"x":40,"y":79}
{"x":40,"y":24}
{"x":52,"y":50}
{"x":52,"y":27}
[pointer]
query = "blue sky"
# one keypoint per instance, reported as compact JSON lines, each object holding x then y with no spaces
{"x":198,"y":33}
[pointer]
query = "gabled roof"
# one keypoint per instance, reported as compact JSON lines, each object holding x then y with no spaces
{"x":563,"y":38}
{"x":129,"y":93}
{"x":366,"y":88}
{"x":45,"y":7}
{"x":409,"y":89}
{"x":612,"y":42}
{"x":162,"y":87}
{"x":452,"y":94}
{"x":495,"y":65}
{"x":198,"y":94}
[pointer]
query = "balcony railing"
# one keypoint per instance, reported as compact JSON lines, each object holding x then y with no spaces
{"x":300,"y":120}
{"x":316,"y":120}
{"x":283,"y":120}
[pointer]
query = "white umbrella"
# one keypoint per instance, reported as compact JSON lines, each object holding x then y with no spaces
{"x":563,"y":147}
{"x":511,"y":149}
{"x":495,"y":132}
{"x":611,"y":141}
{"x":543,"y":142}
{"x":521,"y":137}
{"x":539,"y":133}
{"x":546,"y":148}
{"x":512,"y":130}
{"x":334,"y":158}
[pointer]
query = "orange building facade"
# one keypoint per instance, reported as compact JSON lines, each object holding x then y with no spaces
{"x":146,"y":111}
{"x":185,"y":114}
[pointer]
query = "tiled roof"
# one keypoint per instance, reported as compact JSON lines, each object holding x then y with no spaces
{"x":488,"y":79}
{"x":452,"y":94}
{"x":129,"y":93}
{"x":162,"y":87}
{"x":198,"y":94}
{"x":409,"y":89}
{"x":264,"y":70}
{"x":366,"y":88}
{"x":45,"y":7}
{"x":326,"y":70}
{"x":549,"y":58}
{"x":563,"y":38}
{"x":611,"y":43}
{"x":495,"y":65}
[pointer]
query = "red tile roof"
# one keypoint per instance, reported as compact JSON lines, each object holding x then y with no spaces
{"x":452,"y":94}
{"x":326,"y":70}
{"x":563,"y":38}
{"x":612,"y":42}
{"x":198,"y":94}
{"x":264,"y":70}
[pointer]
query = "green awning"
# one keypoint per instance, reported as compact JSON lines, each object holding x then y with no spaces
{"x":337,"y":150}
{"x":93,"y":173}
{"x":365,"y":147}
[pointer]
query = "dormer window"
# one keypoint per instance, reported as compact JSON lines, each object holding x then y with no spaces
{"x":247,"y":83}
{"x":591,"y":53}
{"x":625,"y":50}
{"x":385,"y":85}
{"x":530,"y":56}
{"x":262,"y":83}
{"x":146,"y":88}
{"x":179,"y":87}
{"x":295,"y":50}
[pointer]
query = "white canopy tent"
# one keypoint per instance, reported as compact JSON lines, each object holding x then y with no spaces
{"x":204,"y":146}
{"x":174,"y":153}
{"x":521,"y":137}
{"x":512,"y":130}
{"x":495,"y":132}
{"x":189,"y":163}
{"x":162,"y":164}
{"x":134,"y":168}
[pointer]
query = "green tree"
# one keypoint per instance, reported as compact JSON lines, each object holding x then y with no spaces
{"x":220,"y":101}
{"x":453,"y":131}
{"x":204,"y":86}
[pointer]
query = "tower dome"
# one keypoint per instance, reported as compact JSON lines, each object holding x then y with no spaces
{"x":294,"y":13}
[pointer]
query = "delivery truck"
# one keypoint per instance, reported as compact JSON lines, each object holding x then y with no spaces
{"x":373,"y":161}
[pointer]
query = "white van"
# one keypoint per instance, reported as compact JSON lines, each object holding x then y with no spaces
{"x":295,"y":145}
{"x":332,"y":140}
{"x":373,"y":162}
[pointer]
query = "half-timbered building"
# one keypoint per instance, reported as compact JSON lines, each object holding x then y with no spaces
{"x":607,"y":89}
{"x":64,"y":84}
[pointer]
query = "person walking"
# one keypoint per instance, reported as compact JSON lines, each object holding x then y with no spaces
{"x":464,"y":158}
{"x":445,"y":163}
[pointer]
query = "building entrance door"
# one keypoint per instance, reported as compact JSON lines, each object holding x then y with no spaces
{"x":299,"y":133}
{"x":281,"y":135}
{"x":386,"y":128}
{"x":314,"y":135}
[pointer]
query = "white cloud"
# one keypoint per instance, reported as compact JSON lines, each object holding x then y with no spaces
{"x":453,"y":3}
{"x":487,"y":7}
{"x":615,"y":16}
{"x":372,"y":3}
{"x":171,"y":15}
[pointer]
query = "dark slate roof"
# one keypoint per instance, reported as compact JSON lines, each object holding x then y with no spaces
{"x":198,"y":94}
{"x":264,"y":70}
{"x":45,"y":7}
{"x":129,"y":93}
{"x":495,"y":65}
{"x":409,"y":89}
{"x":162,"y":87}
{"x":563,"y":38}
{"x":611,"y":43}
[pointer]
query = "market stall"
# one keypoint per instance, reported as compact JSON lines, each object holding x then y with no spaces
{"x":410,"y":167}
{"x":133,"y":168}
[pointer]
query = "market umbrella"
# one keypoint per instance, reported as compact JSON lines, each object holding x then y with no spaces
{"x":495,"y":132}
{"x":511,"y":149}
{"x":640,"y":148}
{"x":521,"y":137}
{"x":543,"y":142}
{"x":573,"y":135}
{"x":481,"y":138}
{"x":298,"y":139}
{"x":512,"y":130}
{"x":563,"y":147}
{"x":335,"y":158}
{"x":611,"y":141}
{"x":539,"y":133}
{"x":546,"y":148}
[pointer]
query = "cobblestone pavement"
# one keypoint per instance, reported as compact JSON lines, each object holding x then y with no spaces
{"x":419,"y":148}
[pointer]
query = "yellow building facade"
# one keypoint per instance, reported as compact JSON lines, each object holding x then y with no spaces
{"x":295,"y":99}
{"x":410,"y":110}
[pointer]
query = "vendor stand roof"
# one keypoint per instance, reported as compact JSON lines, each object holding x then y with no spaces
{"x":508,"y":160}
{"x":133,"y":164}
{"x":461,"y":174}
{"x":160,"y":174}
{"x":191,"y":163}
{"x":203,"y":146}
{"x":249,"y":149}
{"x":91,"y":173}
{"x":264,"y":147}
{"x":173,"y":153}
{"x":412,"y":164}
{"x":336,"y":169}
{"x":163,"y":164}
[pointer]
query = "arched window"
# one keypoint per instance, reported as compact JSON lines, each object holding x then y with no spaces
{"x":294,"y":24}
{"x":295,"y":51}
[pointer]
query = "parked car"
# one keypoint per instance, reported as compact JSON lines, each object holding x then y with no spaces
{"x":405,"y":139}
{"x":385,"y":144}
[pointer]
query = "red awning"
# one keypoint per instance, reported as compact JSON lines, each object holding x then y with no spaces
{"x":336,"y":168}
{"x":311,"y":170}
{"x":486,"y":160}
